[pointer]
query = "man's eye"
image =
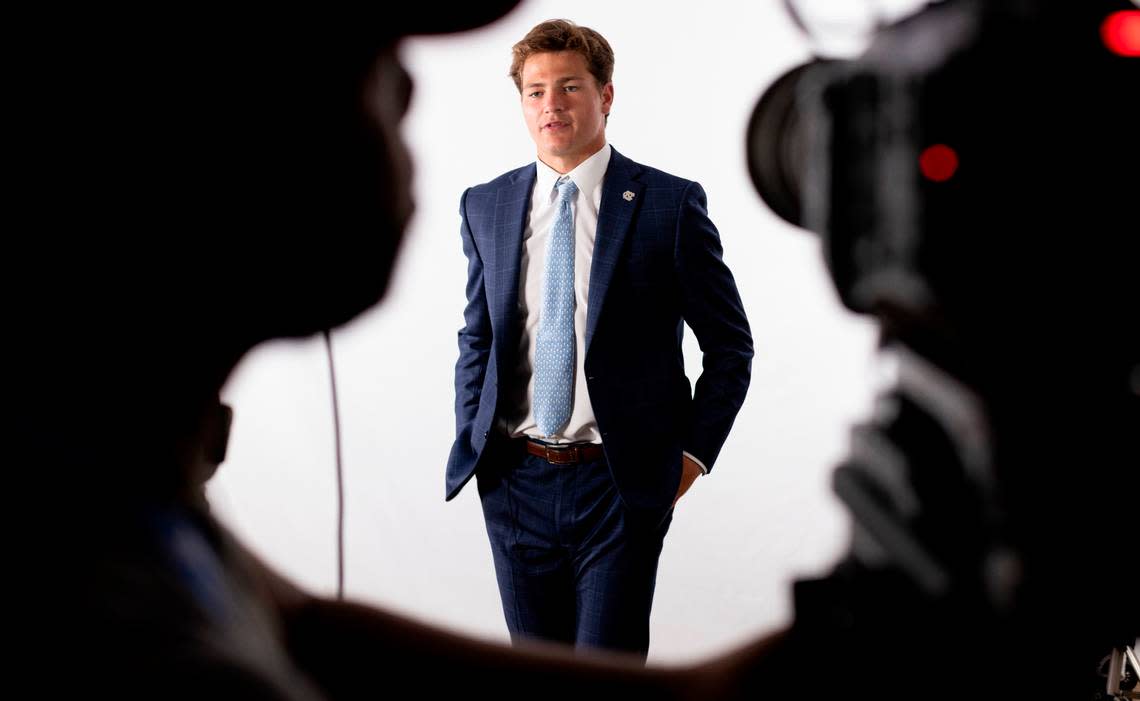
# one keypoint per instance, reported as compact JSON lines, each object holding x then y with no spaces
{"x":571,"y":88}
{"x":537,"y":93}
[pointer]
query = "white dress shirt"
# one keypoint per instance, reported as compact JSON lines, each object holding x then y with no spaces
{"x":518,"y":415}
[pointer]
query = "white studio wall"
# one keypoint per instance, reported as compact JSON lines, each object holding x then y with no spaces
{"x":686,"y":81}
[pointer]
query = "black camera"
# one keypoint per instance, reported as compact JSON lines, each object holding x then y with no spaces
{"x":947,"y":138}
{"x":974,"y":176}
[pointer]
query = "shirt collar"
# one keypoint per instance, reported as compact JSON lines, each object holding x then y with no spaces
{"x":587,"y":176}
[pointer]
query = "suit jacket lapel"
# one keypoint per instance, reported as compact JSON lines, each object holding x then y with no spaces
{"x":501,"y":258}
{"x":620,"y":199}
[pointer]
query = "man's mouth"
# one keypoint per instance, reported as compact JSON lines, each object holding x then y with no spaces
{"x":555,"y":125}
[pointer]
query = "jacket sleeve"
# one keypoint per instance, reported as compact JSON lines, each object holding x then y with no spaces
{"x":474,"y":337}
{"x":712,"y":307}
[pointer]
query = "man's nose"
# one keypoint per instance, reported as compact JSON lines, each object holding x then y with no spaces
{"x":552,"y":102}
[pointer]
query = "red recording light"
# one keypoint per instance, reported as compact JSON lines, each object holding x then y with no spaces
{"x":938,"y":162}
{"x":1121,"y":32}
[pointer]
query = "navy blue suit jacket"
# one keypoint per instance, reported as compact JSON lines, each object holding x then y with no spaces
{"x":657,"y":263}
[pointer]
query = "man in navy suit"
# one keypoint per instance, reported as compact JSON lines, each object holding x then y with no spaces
{"x":572,"y":404}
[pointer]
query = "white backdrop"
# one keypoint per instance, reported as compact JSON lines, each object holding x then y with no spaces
{"x":686,"y":79}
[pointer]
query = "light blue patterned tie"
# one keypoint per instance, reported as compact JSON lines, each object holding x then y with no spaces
{"x":554,"y":345}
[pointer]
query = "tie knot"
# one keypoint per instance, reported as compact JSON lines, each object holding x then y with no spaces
{"x":566,"y":188}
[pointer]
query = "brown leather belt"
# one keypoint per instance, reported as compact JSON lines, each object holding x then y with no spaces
{"x":565,"y":454}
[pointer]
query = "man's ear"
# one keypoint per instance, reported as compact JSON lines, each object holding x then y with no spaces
{"x":607,"y":98}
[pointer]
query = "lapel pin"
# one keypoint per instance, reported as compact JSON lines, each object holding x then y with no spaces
{"x":628,"y":195}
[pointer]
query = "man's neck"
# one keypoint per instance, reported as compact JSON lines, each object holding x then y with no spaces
{"x":564,"y":164}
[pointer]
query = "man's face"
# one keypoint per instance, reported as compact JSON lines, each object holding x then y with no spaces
{"x":564,"y":108}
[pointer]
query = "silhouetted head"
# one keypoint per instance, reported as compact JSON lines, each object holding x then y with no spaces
{"x":208,"y":183}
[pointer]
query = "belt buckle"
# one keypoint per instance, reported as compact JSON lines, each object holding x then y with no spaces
{"x":554,"y":455}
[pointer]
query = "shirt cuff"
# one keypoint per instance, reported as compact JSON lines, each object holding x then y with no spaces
{"x":704,"y":470}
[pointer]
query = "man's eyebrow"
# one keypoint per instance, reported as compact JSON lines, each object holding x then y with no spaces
{"x":539,"y":83}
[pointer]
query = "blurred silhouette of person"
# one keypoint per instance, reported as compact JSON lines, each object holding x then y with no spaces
{"x":572,"y":405}
{"x":208,"y":183}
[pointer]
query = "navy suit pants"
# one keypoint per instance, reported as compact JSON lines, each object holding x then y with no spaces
{"x":572,"y":566}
